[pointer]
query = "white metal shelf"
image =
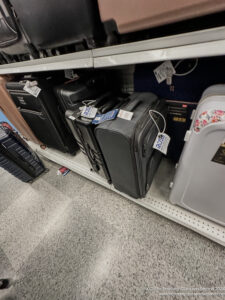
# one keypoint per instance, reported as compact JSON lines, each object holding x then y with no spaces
{"x":202,"y":43}
{"x":209,"y":42}
{"x":77,"y":60}
{"x":156,"y":200}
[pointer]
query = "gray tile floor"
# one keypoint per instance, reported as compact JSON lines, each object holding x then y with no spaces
{"x":68,"y":238}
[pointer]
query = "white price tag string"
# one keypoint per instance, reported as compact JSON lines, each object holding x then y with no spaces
{"x":153,"y":119}
{"x":88,"y":102}
{"x":162,"y":139}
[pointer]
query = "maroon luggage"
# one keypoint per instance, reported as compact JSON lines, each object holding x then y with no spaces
{"x":134,"y":15}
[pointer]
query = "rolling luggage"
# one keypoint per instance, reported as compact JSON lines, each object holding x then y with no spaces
{"x":41,"y":112}
{"x":83,"y":131}
{"x":134,"y":15}
{"x":71,"y":93}
{"x":51,"y":26}
{"x":8,"y":107}
{"x":127,"y":145}
{"x":198,"y":184}
{"x":17,"y":158}
{"x":13,"y":44}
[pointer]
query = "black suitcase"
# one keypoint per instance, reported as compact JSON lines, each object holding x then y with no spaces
{"x":85,"y":87}
{"x":127,"y":145}
{"x":17,"y":158}
{"x":83,"y":131}
{"x":13,"y":44}
{"x":43,"y":115}
{"x":50,"y":24}
{"x":178,"y":122}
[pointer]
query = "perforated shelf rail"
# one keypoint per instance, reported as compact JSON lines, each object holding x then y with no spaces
{"x":157,"y":204}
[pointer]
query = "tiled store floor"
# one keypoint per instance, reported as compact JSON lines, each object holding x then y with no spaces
{"x":69,"y":238}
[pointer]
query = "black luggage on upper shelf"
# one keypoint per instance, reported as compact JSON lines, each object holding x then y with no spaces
{"x":42,"y":113}
{"x":17,"y":158}
{"x":13,"y":44}
{"x":53,"y":24}
{"x":127,"y":145}
{"x":83,"y":131}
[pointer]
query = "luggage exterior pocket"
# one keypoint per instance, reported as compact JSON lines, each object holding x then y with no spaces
{"x":43,"y":128}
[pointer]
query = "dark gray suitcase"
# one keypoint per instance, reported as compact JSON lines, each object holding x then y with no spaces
{"x":17,"y":158}
{"x":127,"y":145}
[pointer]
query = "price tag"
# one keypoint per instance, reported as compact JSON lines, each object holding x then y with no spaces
{"x":164,"y":71}
{"x":110,"y":115}
{"x":124,"y":114}
{"x":69,"y":74}
{"x":162,"y":142}
{"x":89,"y":112}
{"x":32,"y":88}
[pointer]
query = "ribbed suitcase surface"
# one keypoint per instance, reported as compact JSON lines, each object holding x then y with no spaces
{"x":83,"y":131}
{"x":17,"y":158}
{"x":14,"y":169}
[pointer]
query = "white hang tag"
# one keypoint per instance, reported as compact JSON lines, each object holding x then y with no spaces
{"x":124,"y":114}
{"x":69,"y":74}
{"x":89,"y":112}
{"x":72,"y":118}
{"x":32,"y":88}
{"x":165,"y":71}
{"x":33,"y":83}
{"x":162,"y":142}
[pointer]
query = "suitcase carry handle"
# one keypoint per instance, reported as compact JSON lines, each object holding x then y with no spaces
{"x":106,"y":107}
{"x":134,"y":104}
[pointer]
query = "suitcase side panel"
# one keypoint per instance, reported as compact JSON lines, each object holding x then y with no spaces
{"x":199,"y":179}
